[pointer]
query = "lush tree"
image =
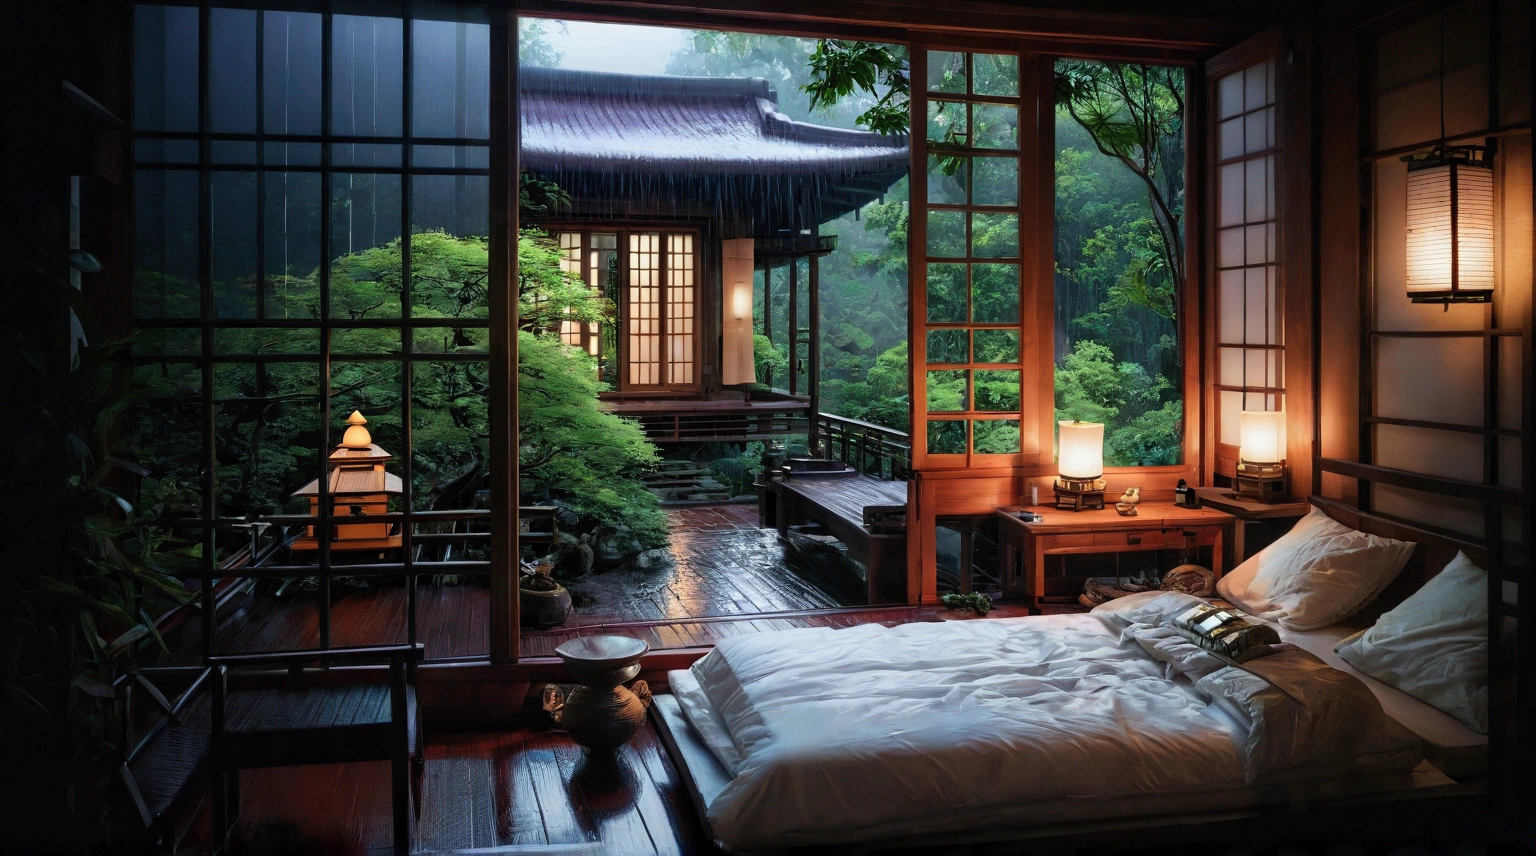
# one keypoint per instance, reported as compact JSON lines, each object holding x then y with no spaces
{"x":573,"y":451}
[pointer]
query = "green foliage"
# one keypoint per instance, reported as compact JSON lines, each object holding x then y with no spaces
{"x":1152,"y":439}
{"x":739,"y":472}
{"x":1091,"y":386}
{"x":841,"y":68}
{"x":975,"y":602}
{"x":768,"y":361}
{"x":572,"y":450}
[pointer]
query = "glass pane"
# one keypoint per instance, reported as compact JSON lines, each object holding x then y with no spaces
{"x":450,"y":413}
{"x":996,"y":181}
{"x":1117,"y":350}
{"x":365,"y":340}
{"x":232,"y":151}
{"x":946,"y":293}
{"x":996,"y":436}
{"x":366,"y":76}
{"x":995,"y":294}
{"x":366,"y":267}
{"x":165,"y":151}
{"x":165,"y":68}
{"x":232,"y":71}
{"x":948,"y":123}
{"x":946,"y":390}
{"x":946,"y":234}
{"x":233,"y":197}
{"x":997,"y":346}
{"x":451,"y":157}
{"x":290,"y":73}
{"x":292,"y":250}
{"x":997,"y":389}
{"x":451,"y":340}
{"x":165,"y":244}
{"x":266,"y":436}
{"x":265,"y":340}
{"x":455,"y":205}
{"x":995,"y":236}
{"x":996,"y":126}
{"x":946,"y":437}
{"x":293,"y":154}
{"x":996,"y":74}
{"x":451,"y":79}
{"x":365,"y":154}
{"x":947,"y":177}
{"x":946,"y":71}
{"x":947,"y":346}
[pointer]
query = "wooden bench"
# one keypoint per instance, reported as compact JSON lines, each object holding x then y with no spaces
{"x":166,"y":762}
{"x":839,"y":503}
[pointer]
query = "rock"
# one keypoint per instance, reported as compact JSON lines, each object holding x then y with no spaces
{"x":651,"y":560}
{"x":613,"y":544}
{"x":565,"y":516}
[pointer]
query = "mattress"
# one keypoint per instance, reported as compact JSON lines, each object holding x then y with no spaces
{"x":707,"y":774}
{"x":1449,"y":744}
{"x":813,"y":737}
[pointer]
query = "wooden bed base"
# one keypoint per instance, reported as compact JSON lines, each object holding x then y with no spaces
{"x":1445,"y":813}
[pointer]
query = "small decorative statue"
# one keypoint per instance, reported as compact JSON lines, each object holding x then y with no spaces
{"x":1128,"y":501}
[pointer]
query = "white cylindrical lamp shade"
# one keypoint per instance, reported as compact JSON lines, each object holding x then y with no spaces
{"x":1261,"y":436}
{"x":1081,"y":453}
{"x":736,"y":360}
{"x":1450,"y":226}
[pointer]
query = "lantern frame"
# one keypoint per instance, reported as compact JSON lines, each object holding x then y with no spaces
{"x":1458,"y":161}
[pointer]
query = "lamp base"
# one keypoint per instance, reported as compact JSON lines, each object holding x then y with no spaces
{"x":1261,"y":482}
{"x":1079,"y":494}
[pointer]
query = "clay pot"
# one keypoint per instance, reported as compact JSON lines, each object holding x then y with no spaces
{"x":602,"y":720}
{"x":602,"y":714}
{"x":540,"y":609}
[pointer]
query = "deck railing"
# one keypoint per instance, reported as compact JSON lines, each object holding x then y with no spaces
{"x":874,"y":450}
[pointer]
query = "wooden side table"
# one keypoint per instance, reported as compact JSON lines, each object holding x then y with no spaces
{"x":1157,"y":525}
{"x":1257,"y":524}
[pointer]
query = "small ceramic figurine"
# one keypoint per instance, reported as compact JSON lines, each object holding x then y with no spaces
{"x":1131,"y":496}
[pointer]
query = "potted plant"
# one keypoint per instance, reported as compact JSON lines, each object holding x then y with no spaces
{"x":542,"y":601}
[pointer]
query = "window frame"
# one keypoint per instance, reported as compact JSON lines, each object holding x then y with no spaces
{"x":1037,"y":175}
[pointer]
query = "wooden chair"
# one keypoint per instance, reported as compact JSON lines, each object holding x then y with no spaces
{"x":266,"y":720}
{"x":165,"y":763}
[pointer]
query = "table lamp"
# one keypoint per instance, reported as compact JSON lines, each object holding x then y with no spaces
{"x":1080,"y":483}
{"x":1261,"y":455}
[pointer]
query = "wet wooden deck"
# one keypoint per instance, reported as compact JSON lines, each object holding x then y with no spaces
{"x":720,"y":576}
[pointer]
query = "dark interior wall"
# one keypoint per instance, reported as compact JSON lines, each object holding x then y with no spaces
{"x":46,"y":137}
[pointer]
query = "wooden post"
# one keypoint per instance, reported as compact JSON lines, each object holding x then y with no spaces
{"x":503,"y":335}
{"x":813,"y":349}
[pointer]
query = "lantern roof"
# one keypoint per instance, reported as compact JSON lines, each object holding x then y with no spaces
{"x":349,"y":481}
{"x":657,"y":144}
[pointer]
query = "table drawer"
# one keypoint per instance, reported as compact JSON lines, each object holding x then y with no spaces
{"x":1061,"y":542}
{"x":1150,"y":540}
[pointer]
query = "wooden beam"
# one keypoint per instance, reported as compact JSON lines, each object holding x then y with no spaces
{"x":1459,"y":488}
{"x":1201,"y":25}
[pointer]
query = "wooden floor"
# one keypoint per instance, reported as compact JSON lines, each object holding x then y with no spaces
{"x":719,"y":576}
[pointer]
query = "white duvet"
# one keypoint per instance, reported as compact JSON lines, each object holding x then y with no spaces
{"x":844,"y":734}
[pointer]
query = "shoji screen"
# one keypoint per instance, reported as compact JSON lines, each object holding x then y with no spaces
{"x":1249,"y":329}
{"x":1445,"y":380}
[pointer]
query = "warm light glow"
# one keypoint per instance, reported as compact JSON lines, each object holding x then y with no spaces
{"x":1450,"y":226}
{"x":1082,"y":450}
{"x":357,"y":436}
{"x":741,"y":302}
{"x":1262,"y":436}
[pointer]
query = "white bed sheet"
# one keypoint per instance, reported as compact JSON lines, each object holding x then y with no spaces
{"x":875,"y":733}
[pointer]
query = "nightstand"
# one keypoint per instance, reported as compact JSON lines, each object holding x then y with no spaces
{"x":1257,"y":524}
{"x":1156,"y":526}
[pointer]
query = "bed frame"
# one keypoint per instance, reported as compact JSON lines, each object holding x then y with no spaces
{"x":1422,"y":813}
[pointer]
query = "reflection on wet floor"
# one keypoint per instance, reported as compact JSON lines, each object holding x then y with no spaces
{"x":718,"y":563}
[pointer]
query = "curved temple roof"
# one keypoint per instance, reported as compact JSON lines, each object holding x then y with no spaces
{"x":625,"y":144}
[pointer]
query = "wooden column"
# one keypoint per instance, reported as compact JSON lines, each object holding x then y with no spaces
{"x":503,"y":335}
{"x":813,"y":348}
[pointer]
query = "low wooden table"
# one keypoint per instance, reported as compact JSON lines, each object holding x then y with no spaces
{"x":1157,"y":525}
{"x":1258,"y":524}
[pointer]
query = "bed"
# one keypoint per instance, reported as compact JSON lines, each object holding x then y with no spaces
{"x":1011,"y":728}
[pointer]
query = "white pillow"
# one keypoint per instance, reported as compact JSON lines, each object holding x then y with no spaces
{"x":1434,"y":645}
{"x":1316,"y":574}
